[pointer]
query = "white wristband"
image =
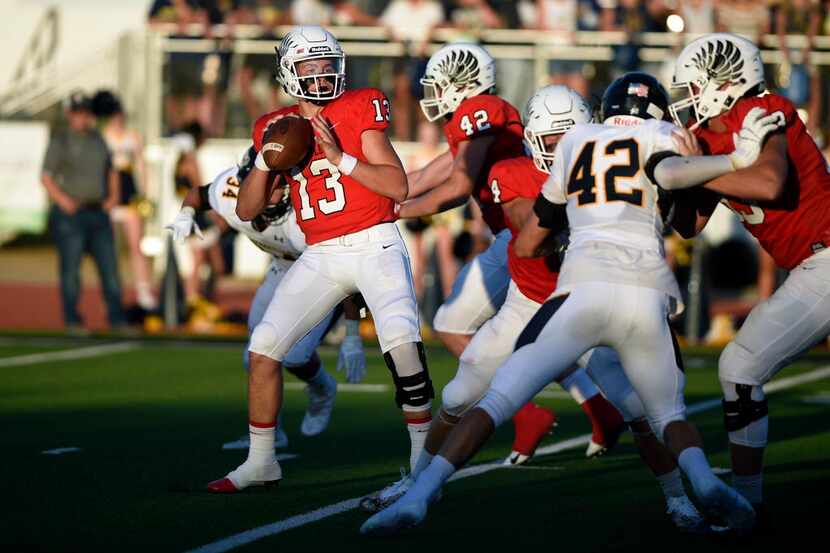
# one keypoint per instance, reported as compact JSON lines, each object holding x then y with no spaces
{"x":347,"y":164}
{"x":260,"y":164}
{"x":189,"y":211}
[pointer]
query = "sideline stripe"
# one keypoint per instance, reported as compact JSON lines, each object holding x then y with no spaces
{"x":69,"y":354}
{"x":249,"y":536}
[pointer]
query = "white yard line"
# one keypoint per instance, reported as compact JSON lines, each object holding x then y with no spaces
{"x":69,"y":354}
{"x":249,"y":536}
{"x":61,"y":450}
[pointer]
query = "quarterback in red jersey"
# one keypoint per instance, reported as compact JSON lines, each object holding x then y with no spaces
{"x":331,"y":203}
{"x":783,"y":199}
{"x":343,"y":196}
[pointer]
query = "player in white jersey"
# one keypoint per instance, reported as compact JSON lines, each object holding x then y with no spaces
{"x":276,"y":232}
{"x":615,"y":289}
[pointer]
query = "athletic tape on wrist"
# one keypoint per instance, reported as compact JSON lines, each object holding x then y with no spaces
{"x":347,"y":164}
{"x":260,"y":164}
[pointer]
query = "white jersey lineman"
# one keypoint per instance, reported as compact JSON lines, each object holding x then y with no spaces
{"x":615,"y":288}
{"x":284,"y":241}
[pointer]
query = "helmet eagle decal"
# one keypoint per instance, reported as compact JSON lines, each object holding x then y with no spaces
{"x":461,"y":67}
{"x":720,"y":60}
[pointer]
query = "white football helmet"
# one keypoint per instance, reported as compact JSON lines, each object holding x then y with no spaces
{"x":552,"y":110}
{"x":309,"y":42}
{"x":715,"y":70}
{"x":454,"y":73}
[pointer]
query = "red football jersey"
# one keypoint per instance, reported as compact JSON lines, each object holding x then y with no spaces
{"x":327,"y":203}
{"x":519,"y":178}
{"x":479,"y":116}
{"x":797,"y":225}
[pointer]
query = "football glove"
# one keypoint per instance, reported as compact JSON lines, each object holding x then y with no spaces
{"x":749,"y":140}
{"x":352,"y":358}
{"x":184,"y":225}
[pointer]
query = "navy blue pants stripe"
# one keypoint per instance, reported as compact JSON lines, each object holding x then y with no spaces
{"x":539,"y":320}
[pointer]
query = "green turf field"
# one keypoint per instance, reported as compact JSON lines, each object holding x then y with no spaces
{"x":150,"y":423}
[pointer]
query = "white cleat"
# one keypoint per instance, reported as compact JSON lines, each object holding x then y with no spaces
{"x":280,"y":441}
{"x":395,"y":518}
{"x":731,"y":507}
{"x":516,"y":458}
{"x":248,"y":475}
{"x":685,"y":516}
{"x":320,"y":405}
{"x":594,"y":450}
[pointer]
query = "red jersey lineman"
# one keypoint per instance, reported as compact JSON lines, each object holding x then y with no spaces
{"x":480,"y":116}
{"x":343,"y":197}
{"x":481,"y":129}
{"x":510,"y":180}
{"x":795,"y":225}
{"x":783,"y":199}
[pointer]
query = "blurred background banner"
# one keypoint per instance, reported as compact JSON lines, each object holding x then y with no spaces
{"x":39,"y":34}
{"x":23,"y":206}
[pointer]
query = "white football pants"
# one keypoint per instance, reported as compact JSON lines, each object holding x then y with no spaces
{"x":302,"y":351}
{"x":792,"y":320}
{"x":630,"y":319}
{"x":373,"y":262}
{"x":494,"y":343}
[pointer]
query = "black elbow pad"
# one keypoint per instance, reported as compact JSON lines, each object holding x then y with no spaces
{"x":549,"y":213}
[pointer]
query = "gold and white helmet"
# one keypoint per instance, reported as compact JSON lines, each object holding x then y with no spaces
{"x":552,"y":110}
{"x":715,"y":70}
{"x":309,"y":42}
{"x":454,"y":73}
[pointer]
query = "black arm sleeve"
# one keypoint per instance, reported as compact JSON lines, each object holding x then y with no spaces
{"x":652,"y":162}
{"x":204,"y":198}
{"x":551,"y":216}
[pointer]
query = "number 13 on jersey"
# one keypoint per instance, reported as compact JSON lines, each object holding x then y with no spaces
{"x":332,"y":182}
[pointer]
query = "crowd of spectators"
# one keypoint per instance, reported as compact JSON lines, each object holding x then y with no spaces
{"x":199,"y":86}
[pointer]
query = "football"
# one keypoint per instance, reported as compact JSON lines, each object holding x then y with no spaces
{"x":287,"y":142}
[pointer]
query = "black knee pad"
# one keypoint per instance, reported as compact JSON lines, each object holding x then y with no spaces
{"x":743,"y":411}
{"x":415,"y":390}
